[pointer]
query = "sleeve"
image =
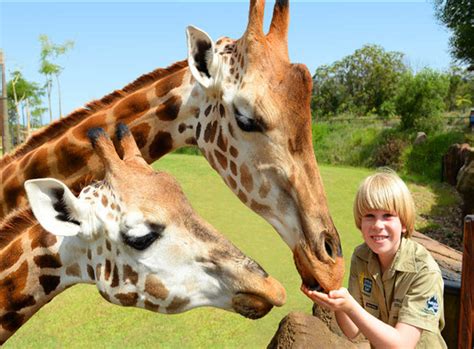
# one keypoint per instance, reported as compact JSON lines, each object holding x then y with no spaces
{"x":354,"y":285}
{"x":423,"y":304}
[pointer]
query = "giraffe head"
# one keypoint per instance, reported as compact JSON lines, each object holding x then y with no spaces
{"x":254,"y":127}
{"x":142,"y":242}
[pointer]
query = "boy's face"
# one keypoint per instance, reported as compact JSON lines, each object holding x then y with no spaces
{"x":382,"y":231}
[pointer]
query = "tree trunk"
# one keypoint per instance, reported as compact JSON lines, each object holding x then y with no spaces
{"x":6,"y":139}
{"x":48,"y":88}
{"x":59,"y":97}
{"x":28,"y":119}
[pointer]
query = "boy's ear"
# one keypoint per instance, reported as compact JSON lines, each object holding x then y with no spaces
{"x":202,"y":59}
{"x":54,"y":206}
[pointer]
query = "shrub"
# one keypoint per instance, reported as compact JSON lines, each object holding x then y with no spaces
{"x":420,"y":100}
{"x":425,"y":159}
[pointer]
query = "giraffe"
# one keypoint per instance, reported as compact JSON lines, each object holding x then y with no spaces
{"x":243,"y":104}
{"x":139,"y":251}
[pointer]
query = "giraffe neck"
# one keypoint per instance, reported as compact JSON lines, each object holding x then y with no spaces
{"x":159,"y":108}
{"x":35,"y":266}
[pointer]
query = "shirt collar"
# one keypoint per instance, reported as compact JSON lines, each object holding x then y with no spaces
{"x":404,"y":258}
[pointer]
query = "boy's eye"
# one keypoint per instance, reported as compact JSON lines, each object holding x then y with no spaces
{"x":369,"y":215}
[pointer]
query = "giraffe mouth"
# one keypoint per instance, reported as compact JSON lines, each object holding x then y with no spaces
{"x":251,"y":305}
{"x":306,"y":269}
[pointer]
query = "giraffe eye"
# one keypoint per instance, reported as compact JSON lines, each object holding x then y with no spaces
{"x":247,"y":124}
{"x":140,"y":243}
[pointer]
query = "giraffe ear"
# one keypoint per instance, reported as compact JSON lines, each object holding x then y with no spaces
{"x":54,"y":206}
{"x":202,"y":60}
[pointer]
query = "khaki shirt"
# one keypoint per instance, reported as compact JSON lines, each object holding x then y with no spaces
{"x":410,"y":291}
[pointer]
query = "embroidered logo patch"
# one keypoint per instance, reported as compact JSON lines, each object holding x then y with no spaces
{"x":432,"y":305}
{"x":367,"y":285}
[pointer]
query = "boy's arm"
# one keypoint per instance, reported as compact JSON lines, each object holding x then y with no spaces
{"x":346,"y":325}
{"x":377,"y":332}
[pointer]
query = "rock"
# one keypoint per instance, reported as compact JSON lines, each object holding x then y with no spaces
{"x":453,"y":160}
{"x":300,"y":330}
{"x":420,"y":138}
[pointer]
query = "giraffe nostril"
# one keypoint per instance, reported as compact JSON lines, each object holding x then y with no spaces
{"x":328,"y":248}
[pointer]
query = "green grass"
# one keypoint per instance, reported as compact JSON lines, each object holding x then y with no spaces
{"x":80,"y":318}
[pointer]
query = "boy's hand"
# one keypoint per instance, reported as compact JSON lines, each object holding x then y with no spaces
{"x":336,"y":300}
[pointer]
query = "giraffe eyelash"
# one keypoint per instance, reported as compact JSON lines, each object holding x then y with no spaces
{"x":141,"y":243}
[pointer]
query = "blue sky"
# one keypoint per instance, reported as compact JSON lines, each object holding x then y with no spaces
{"x":117,"y":41}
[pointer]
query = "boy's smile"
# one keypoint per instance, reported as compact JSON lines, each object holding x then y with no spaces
{"x":382,"y":231}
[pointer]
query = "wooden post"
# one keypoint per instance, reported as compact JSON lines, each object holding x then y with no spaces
{"x":466,"y":319}
{"x":4,"y":129}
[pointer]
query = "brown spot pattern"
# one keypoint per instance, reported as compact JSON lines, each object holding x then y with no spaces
{"x":104,"y":200}
{"x":12,"y":192}
{"x":49,"y":283}
{"x":90,"y":272}
{"x":80,"y":132}
{"x":41,"y":238}
{"x":127,"y":299}
{"x":74,"y":270}
{"x":71,"y":157}
{"x":130,"y":274}
{"x":132,"y":107}
{"x":221,"y":141}
{"x":161,"y":145}
{"x":169,"y":110}
{"x":233,"y":168}
{"x":155,"y":287}
{"x":11,"y":321}
{"x":141,"y":133}
{"x":151,"y":306}
{"x":38,"y":165}
{"x":246,"y":178}
{"x":176,"y":305}
{"x":11,"y":288}
{"x":208,"y":110}
{"x":9,"y":257}
{"x":115,"y":277}
{"x":242,"y":196}
{"x":108,"y":270}
{"x":48,"y":261}
{"x":259,"y":208}
{"x":168,"y":83}
{"x":233,"y":151}
{"x":221,"y":159}
{"x":232,"y":182}
{"x":264,"y":189}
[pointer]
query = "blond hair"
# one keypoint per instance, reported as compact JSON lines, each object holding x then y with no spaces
{"x":386,"y":191}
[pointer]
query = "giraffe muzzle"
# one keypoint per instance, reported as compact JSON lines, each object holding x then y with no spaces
{"x":257,"y":302}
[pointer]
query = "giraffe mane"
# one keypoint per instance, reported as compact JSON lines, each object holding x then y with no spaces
{"x":57,"y":127}
{"x":16,"y":221}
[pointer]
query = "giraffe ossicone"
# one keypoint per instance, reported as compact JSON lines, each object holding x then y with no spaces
{"x":134,"y":235}
{"x":244,"y":105}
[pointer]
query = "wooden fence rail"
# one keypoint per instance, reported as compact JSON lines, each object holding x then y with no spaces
{"x":466,"y":318}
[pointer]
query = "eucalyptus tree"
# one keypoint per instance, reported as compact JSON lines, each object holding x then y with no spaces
{"x":50,"y":52}
{"x":25,"y":100}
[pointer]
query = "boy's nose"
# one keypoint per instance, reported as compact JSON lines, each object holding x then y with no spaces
{"x":378,"y":224}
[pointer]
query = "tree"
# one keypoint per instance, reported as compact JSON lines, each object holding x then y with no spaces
{"x":421,"y":100}
{"x":25,"y":100}
{"x":458,"y":16}
{"x":49,"y":52}
{"x":364,"y":82}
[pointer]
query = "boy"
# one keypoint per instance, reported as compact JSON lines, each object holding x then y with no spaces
{"x":395,"y":295}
